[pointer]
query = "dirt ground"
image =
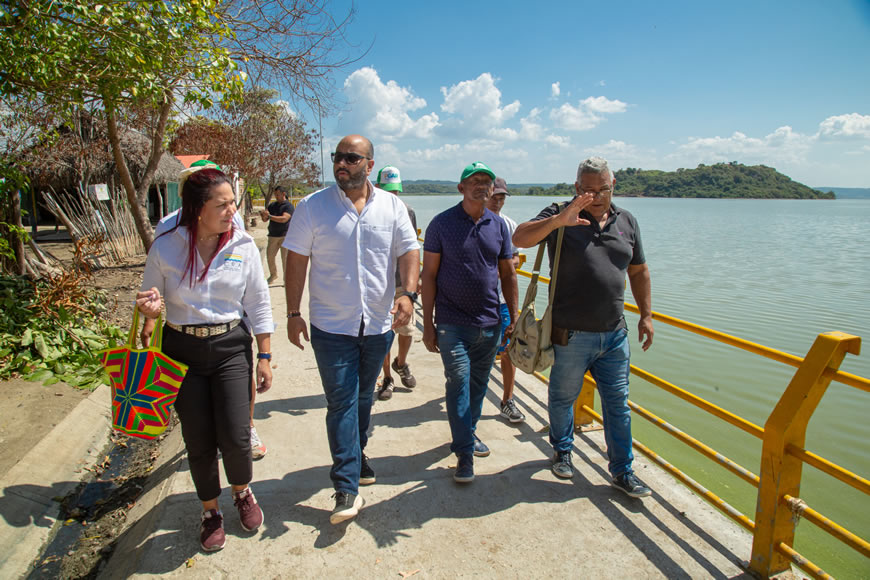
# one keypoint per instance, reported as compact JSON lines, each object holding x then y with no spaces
{"x":30,"y":410}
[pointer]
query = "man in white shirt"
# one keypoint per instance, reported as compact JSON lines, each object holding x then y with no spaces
{"x":354,"y":236}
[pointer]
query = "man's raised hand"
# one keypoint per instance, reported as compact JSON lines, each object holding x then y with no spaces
{"x":571,"y":214}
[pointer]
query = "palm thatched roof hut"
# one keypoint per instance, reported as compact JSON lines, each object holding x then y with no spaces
{"x":80,"y":156}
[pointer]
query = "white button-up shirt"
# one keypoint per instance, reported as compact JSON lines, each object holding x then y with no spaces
{"x":353,"y":257}
{"x":234,"y":285}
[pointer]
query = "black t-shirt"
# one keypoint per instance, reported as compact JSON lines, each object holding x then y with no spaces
{"x":590,"y":285}
{"x":276,"y":229}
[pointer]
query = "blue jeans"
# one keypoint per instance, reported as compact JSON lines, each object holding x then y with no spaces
{"x":606,"y":356}
{"x":349,"y":367}
{"x":504,"y":313}
{"x":467,"y":353}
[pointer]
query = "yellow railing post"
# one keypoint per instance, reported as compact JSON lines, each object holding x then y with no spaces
{"x":582,"y":419}
{"x":781,"y":472}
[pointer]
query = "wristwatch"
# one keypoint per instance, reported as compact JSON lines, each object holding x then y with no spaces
{"x":264,"y":355}
{"x":411,"y":295}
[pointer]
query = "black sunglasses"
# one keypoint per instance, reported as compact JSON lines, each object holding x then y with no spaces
{"x":349,"y":158}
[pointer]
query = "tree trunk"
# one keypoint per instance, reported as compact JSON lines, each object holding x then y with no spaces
{"x":140,"y":217}
{"x":156,"y":149}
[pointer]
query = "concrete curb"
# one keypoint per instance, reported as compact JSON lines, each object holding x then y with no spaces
{"x":52,"y":469}
{"x":146,"y":514}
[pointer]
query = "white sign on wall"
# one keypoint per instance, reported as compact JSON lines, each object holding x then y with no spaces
{"x":102,"y":191}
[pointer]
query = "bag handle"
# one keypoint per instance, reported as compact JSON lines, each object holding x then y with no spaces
{"x":532,"y":290}
{"x":556,"y":265}
{"x":156,"y":336}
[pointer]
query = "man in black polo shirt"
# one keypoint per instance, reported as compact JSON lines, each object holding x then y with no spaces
{"x":601,"y":244}
{"x":466,"y":252}
{"x":278,"y":215}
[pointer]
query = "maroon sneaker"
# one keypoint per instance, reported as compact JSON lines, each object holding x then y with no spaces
{"x":250,"y":513}
{"x":211,"y":531}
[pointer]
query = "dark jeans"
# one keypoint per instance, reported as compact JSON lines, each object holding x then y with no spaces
{"x":467,"y":353}
{"x":349,"y":367}
{"x":213,"y":405}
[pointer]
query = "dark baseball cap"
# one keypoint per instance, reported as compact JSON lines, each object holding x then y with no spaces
{"x":500,"y":186}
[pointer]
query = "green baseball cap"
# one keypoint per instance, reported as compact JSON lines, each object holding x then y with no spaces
{"x":476,"y":167}
{"x":206,"y":163}
{"x":389,"y":179}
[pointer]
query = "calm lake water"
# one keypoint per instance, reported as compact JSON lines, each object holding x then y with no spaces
{"x":775,"y":272}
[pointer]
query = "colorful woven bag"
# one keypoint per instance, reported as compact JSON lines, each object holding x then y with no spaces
{"x":145,"y":383}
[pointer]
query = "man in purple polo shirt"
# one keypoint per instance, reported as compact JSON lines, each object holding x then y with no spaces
{"x":466,"y":252}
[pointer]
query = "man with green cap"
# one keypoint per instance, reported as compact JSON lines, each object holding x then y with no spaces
{"x":467,"y":251}
{"x":389,"y":179}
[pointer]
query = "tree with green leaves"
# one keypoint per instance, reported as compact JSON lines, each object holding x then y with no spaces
{"x":117,"y":54}
{"x":159,"y":56}
{"x":257,"y":137}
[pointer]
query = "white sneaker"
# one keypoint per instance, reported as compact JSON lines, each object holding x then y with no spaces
{"x":258,"y":448}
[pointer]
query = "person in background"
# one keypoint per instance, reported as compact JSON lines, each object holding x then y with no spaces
{"x":467,"y":250}
{"x":389,"y":179}
{"x":170,"y":222}
{"x":509,"y":408}
{"x":355,"y":236}
{"x":210,"y":275}
{"x":278,"y":214}
{"x":601,"y":245}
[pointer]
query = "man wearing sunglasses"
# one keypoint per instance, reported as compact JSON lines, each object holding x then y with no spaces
{"x":355,"y":237}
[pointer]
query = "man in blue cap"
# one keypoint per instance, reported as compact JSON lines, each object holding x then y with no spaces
{"x":466,"y":252}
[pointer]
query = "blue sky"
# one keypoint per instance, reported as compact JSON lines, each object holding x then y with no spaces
{"x":531,"y":88}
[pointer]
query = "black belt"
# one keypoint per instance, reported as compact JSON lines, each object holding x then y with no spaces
{"x":205,"y":330}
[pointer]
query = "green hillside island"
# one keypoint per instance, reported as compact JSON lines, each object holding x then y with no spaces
{"x":722,"y":180}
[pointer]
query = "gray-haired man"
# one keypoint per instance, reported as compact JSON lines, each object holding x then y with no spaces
{"x":601,"y":245}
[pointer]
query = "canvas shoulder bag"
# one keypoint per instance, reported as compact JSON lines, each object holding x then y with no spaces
{"x":531,"y":348}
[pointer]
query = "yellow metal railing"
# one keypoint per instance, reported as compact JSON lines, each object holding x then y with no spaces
{"x":783,"y":438}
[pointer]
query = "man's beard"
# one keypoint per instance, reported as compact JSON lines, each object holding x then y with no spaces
{"x":352,"y":181}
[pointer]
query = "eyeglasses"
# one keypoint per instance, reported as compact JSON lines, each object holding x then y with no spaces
{"x":349,"y":158}
{"x":605,"y":191}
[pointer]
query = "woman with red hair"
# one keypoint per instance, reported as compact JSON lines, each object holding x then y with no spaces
{"x":209,"y":275}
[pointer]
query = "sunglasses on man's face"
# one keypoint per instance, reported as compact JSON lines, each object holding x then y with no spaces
{"x":349,"y":158}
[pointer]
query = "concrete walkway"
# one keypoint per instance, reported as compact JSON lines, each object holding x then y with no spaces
{"x":515,"y":520}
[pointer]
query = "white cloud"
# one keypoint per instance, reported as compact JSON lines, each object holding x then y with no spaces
{"x":504,"y":134}
{"x":588,"y":113}
{"x":477,"y":105}
{"x":613,"y":149}
{"x":782,"y":146}
{"x":850,"y":126}
{"x":558,"y":141}
{"x":574,"y":118}
{"x":287,"y":108}
{"x":555,"y":90}
{"x":380,"y":110}
{"x":601,"y":83}
{"x":603,"y":105}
